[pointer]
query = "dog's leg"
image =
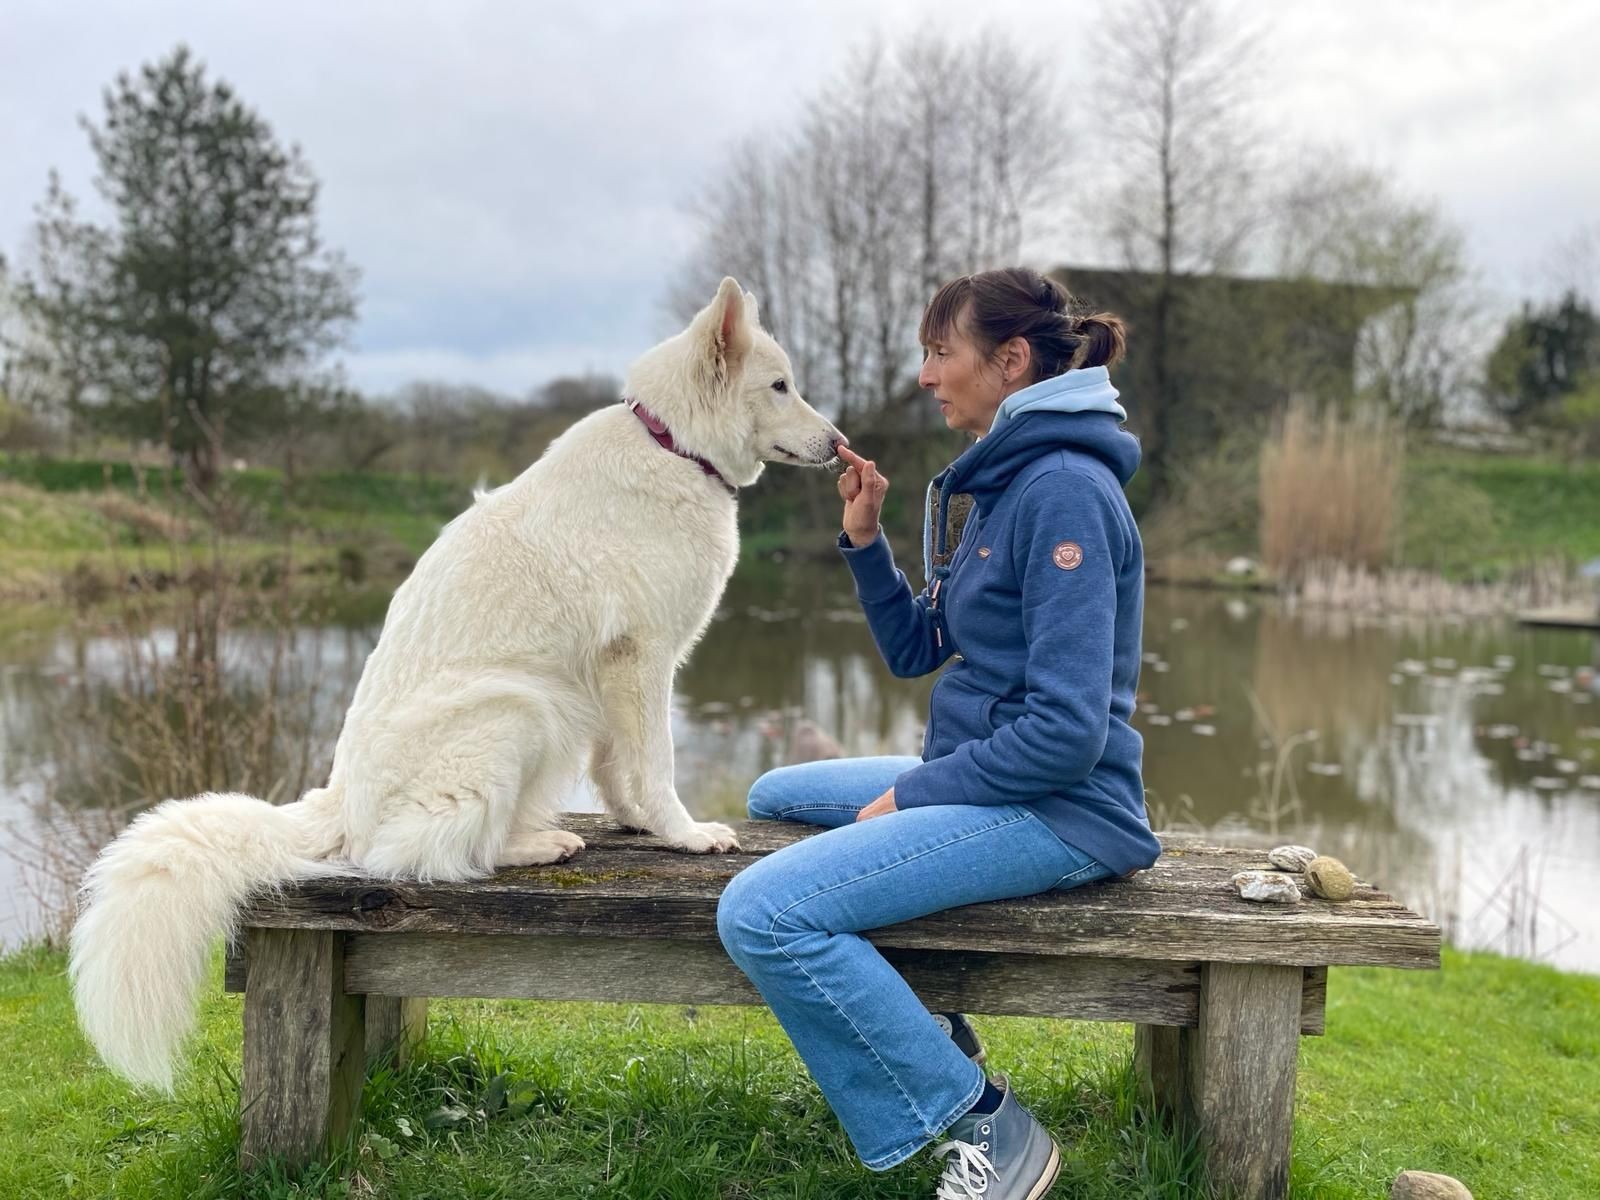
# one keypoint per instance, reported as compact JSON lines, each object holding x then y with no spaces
{"x":614,"y":787}
{"x":636,"y":686}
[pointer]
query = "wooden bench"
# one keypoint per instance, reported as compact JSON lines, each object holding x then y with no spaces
{"x":1219,"y":990}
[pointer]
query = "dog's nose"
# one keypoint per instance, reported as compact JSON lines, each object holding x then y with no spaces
{"x":836,"y":441}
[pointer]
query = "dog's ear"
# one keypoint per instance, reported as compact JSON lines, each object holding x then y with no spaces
{"x":752,"y":310}
{"x":724,"y":330}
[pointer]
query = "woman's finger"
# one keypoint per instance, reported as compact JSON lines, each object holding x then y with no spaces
{"x":850,"y":484}
{"x":851,"y":457}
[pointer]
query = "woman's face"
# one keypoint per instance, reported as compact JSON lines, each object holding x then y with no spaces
{"x":968,"y":385}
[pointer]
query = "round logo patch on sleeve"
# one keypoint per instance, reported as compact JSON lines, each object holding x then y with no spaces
{"x":1067,"y":556}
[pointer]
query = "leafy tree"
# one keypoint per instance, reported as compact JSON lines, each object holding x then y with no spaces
{"x":210,"y":290}
{"x":1545,"y":357}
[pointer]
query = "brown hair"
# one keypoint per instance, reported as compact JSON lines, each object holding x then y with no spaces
{"x":1019,"y":302}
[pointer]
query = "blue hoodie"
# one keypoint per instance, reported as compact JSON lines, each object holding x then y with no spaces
{"x":1040,"y":609}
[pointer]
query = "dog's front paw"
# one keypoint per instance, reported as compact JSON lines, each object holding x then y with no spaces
{"x":541,"y":849}
{"x":705,"y":837}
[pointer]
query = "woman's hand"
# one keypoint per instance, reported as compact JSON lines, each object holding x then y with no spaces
{"x":883,"y":804}
{"x":862,"y":489}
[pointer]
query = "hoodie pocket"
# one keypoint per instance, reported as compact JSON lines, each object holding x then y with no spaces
{"x":999,"y":711}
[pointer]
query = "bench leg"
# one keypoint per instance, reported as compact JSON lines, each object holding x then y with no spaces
{"x":303,"y":1047}
{"x":396,"y":1025}
{"x":1239,"y":1066}
{"x":1159,"y":1056}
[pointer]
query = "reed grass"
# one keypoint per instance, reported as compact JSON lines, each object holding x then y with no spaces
{"x":1330,"y":490}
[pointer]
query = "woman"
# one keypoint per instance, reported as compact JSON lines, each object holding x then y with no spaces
{"x":1029,"y":777}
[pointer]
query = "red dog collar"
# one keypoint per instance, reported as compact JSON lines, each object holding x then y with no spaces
{"x":663,"y":438}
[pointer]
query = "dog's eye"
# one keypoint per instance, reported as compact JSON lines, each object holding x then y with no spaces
{"x":779,"y":385}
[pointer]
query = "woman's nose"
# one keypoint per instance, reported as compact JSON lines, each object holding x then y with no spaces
{"x":925,"y":376}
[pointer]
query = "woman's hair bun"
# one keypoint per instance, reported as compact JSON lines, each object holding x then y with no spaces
{"x":1104,"y":340}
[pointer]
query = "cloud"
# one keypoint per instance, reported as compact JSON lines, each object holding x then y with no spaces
{"x":511,"y":179}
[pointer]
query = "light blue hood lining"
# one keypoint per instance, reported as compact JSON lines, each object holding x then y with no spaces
{"x":1087,"y":389}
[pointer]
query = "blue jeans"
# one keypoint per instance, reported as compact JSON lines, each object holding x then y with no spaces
{"x":793,"y":921}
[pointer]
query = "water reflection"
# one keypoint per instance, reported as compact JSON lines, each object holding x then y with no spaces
{"x":1457,"y":764}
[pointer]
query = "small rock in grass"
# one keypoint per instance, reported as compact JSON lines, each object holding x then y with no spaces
{"x":1291,"y":858}
{"x":1425,"y":1185}
{"x":1267,"y":887}
{"x":1330,"y":878}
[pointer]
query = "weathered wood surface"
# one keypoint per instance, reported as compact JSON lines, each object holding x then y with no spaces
{"x":304,"y":1051}
{"x":1159,"y":1059}
{"x":653,"y":971}
{"x":1239,"y":1071}
{"x":625,"y":884}
{"x":396,"y":1023}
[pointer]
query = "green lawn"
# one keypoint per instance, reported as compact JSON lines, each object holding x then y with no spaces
{"x":88,"y":524}
{"x":1465,"y":515}
{"x":1483,"y":514}
{"x":1489,"y":1071}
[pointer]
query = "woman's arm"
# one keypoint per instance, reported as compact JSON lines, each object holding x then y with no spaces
{"x":1069,"y":546}
{"x":904,"y":626}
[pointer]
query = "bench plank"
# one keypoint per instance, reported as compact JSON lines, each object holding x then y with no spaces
{"x":1183,"y":910}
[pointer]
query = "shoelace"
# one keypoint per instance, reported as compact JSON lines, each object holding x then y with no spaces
{"x":966,"y":1176}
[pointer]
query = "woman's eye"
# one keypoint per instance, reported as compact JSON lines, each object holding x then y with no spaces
{"x":780,"y":386}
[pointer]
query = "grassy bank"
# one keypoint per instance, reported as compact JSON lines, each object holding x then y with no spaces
{"x":86,"y":526}
{"x":1489,"y":1071}
{"x":1471,"y":515}
{"x":1463,"y":516}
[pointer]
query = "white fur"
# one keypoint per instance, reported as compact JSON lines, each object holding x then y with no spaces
{"x":537,"y":637}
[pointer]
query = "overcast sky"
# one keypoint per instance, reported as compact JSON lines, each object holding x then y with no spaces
{"x":511,"y":177}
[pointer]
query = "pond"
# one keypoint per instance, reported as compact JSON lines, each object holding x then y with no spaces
{"x":1455,"y":764}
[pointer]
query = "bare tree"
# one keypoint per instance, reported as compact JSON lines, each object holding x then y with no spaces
{"x":916,"y":163}
{"x":1572,"y":264}
{"x":1178,"y":80}
{"x":1335,"y":221}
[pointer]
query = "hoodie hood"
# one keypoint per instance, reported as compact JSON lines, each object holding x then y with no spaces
{"x":1087,"y":389}
{"x":1079,"y":417}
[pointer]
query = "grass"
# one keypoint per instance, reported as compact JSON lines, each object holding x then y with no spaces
{"x":1489,"y":1071}
{"x":1471,"y":515}
{"x":1467,"y":517}
{"x":88,"y":524}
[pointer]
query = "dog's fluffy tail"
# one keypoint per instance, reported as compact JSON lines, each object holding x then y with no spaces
{"x":157,"y":898}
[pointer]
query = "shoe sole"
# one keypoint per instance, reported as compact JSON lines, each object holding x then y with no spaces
{"x":1051,"y":1170}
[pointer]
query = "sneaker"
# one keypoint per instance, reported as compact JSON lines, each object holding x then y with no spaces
{"x":960,"y":1031}
{"x":1006,"y":1155}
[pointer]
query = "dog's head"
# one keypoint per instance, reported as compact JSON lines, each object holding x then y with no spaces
{"x":727,"y":391}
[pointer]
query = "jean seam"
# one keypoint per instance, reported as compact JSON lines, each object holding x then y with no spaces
{"x":854,"y":1028}
{"x":1083,"y":870}
{"x":906,"y":1149}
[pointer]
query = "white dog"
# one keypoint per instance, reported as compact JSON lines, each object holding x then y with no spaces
{"x":538,"y":635}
